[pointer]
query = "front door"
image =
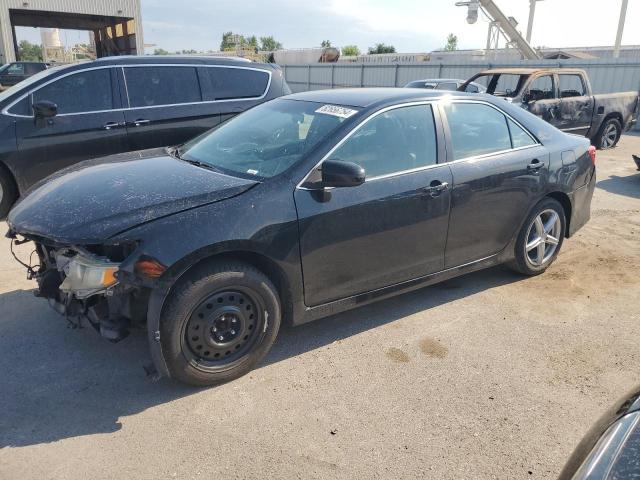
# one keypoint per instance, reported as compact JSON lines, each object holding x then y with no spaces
{"x":388,"y":230}
{"x":166,"y":106}
{"x":576,"y":105}
{"x":89,"y":124}
{"x":542,"y":100}
{"x":498,"y":169}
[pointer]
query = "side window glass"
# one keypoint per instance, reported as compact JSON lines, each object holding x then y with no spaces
{"x":472,"y":88}
{"x":228,"y":83}
{"x":88,"y":91}
{"x":519,"y":137}
{"x":16,"y":69}
{"x":476,"y":129}
{"x":397,"y":140}
{"x":448,"y":86}
{"x":153,"y":86}
{"x":541,"y":88}
{"x":23,"y":107}
{"x":571,"y":85}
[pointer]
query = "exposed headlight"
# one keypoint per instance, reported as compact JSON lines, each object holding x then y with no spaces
{"x":85,"y":276}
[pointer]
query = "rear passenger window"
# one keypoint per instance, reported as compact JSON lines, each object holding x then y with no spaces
{"x":153,"y":86}
{"x":519,"y":137}
{"x":542,"y":88}
{"x":87,"y":91}
{"x":397,"y":140}
{"x":571,"y":86}
{"x":476,"y":129}
{"x":227,"y":83}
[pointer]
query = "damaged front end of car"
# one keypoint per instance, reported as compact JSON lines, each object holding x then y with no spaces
{"x":85,"y":284}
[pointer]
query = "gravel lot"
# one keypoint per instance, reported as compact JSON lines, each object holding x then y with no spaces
{"x":487,"y":376}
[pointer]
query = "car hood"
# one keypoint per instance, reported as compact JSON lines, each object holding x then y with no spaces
{"x":94,"y":200}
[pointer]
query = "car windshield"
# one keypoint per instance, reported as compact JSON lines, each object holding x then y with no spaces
{"x":501,"y":84}
{"x":266,"y":140}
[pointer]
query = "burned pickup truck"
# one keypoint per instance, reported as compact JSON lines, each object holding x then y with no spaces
{"x":563,"y":97}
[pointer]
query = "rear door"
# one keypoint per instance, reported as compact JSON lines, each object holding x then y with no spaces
{"x":390,"y":229}
{"x":576,"y":105}
{"x":89,"y":123}
{"x":498,"y":170}
{"x":165,"y":105}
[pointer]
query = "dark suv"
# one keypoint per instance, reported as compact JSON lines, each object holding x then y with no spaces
{"x":67,"y":114}
{"x":16,"y":72}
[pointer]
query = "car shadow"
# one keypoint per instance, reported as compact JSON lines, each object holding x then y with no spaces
{"x":62,"y":382}
{"x":628,"y":186}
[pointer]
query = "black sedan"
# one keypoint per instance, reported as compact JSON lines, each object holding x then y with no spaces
{"x":302,"y":207}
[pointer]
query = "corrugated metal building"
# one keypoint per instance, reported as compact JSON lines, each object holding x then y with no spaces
{"x":116,"y":24}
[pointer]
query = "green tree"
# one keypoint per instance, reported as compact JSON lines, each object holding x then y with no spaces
{"x":350,"y":50}
{"x":230,"y":40}
{"x":252,"y":41}
{"x":161,"y":51}
{"x":452,"y":43}
{"x":382,"y":48}
{"x":325,"y":43}
{"x":269,"y":43}
{"x":28,"y":51}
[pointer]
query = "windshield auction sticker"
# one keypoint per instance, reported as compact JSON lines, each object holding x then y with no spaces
{"x":337,"y":111}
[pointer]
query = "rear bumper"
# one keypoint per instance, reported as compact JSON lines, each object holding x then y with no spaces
{"x":581,"y":205}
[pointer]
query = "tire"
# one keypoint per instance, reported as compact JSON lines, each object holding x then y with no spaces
{"x":530,"y":259}
{"x":8,"y":192}
{"x":218,"y":322}
{"x":608,"y":135}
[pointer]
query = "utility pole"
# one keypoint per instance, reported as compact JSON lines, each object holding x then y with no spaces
{"x":623,"y":15}
{"x":532,"y":13}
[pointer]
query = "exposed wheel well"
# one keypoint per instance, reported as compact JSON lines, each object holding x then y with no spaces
{"x":616,"y":115}
{"x":563,"y":198}
{"x":4,"y":170}
{"x":266,"y":266}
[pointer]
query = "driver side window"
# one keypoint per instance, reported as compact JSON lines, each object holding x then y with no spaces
{"x":542,"y":88}
{"x":394,"y":141}
{"x":87,"y":91}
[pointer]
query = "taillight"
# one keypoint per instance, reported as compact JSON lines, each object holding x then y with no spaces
{"x":592,"y":154}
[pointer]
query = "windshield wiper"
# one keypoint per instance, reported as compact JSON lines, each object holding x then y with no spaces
{"x":175,"y":153}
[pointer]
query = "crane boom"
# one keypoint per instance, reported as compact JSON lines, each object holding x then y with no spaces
{"x":494,"y":12}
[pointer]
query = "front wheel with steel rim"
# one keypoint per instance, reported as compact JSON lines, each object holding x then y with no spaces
{"x":609,"y":134}
{"x":218,"y":322}
{"x":540,"y":238}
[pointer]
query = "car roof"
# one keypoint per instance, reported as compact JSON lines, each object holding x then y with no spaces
{"x":367,"y":97}
{"x":437,"y":80}
{"x":176,"y":59}
{"x":529,"y":71}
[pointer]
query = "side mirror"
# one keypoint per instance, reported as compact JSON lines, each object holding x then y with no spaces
{"x":341,"y":174}
{"x":45,"y":109}
{"x":526,"y":98}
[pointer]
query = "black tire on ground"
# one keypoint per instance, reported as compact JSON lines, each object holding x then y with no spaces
{"x":218,"y":322}
{"x":608,"y":134}
{"x":8,"y":192}
{"x":530,"y":258}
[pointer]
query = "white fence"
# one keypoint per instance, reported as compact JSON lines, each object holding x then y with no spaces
{"x":606,"y":75}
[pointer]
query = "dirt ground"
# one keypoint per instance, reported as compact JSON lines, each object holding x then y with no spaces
{"x":487,"y":376}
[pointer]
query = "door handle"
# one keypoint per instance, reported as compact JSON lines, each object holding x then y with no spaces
{"x":111,"y":125}
{"x":436,"y":188}
{"x":535,"y":165}
{"x":140,"y":121}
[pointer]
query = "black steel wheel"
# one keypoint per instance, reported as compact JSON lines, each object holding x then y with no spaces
{"x":223,"y":328}
{"x":218,"y":322}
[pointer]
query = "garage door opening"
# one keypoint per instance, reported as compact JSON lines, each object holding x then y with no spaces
{"x":111,"y":35}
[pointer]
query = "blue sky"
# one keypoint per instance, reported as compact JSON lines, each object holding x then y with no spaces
{"x":409,"y":25}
